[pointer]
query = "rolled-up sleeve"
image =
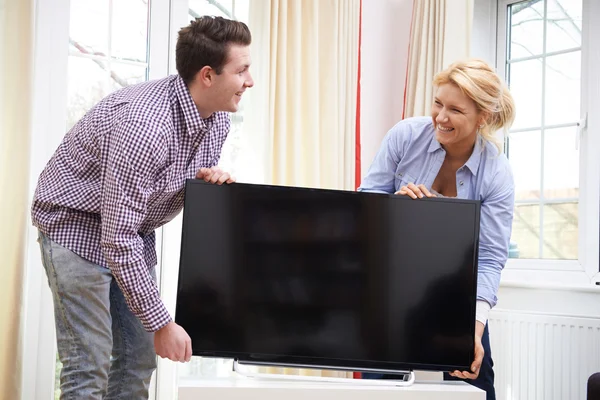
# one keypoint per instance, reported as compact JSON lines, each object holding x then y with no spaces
{"x":497,"y":210}
{"x":134,"y":155}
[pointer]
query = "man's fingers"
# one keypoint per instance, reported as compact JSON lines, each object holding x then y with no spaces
{"x":223,"y":178}
{"x":214,"y":175}
{"x":208,"y":175}
{"x":188,"y":350}
{"x":202,"y":172}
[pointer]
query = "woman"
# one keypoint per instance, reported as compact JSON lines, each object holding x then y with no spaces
{"x":455,"y":154}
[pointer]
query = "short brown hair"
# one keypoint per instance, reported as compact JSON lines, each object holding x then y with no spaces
{"x":206,"y":41}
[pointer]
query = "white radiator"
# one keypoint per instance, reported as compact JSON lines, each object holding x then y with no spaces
{"x":543,"y":357}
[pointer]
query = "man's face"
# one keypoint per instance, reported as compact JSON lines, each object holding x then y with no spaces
{"x":234,"y":79}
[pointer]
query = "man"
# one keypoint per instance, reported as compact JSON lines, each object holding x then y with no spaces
{"x":117,"y":176}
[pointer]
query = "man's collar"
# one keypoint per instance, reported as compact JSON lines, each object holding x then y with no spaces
{"x":193,"y":121}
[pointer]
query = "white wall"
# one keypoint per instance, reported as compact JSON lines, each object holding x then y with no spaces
{"x":483,"y":40}
{"x":384,"y":58}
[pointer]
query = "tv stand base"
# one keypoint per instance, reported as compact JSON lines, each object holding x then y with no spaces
{"x":405,"y":378}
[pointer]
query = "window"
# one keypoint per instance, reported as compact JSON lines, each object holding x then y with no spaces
{"x":543,"y":70}
{"x":542,"y":51}
{"x":108,"y":50}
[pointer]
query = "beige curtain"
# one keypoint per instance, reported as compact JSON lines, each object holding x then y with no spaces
{"x":16,"y":50}
{"x":301,"y":115}
{"x":302,"y":112}
{"x":440,"y":35}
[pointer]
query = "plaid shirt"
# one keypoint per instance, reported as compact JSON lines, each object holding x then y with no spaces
{"x":119,"y":174}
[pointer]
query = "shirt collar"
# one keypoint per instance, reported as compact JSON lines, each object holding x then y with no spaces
{"x":473,"y":161}
{"x":193,"y":121}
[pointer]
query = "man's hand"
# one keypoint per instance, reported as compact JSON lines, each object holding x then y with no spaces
{"x":173,"y":342}
{"x":214,"y":175}
{"x":415,"y":191}
{"x":479,"y":352}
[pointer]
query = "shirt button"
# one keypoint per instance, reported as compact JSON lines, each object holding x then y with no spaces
{"x":461,"y":183}
{"x":401,"y":174}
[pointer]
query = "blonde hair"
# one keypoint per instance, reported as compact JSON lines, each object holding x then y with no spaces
{"x":481,"y":83}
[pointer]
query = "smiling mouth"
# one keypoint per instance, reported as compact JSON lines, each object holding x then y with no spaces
{"x":239,"y":94}
{"x":442,"y":129}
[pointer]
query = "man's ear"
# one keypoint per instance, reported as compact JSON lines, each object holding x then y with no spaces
{"x":206,"y":76}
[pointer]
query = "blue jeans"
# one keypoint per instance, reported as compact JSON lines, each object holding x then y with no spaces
{"x":105,"y":351}
{"x":484,"y":381}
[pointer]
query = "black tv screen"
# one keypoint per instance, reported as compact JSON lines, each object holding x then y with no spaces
{"x":329,"y":279}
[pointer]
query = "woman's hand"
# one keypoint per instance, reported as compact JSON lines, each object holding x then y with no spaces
{"x":415,"y":191}
{"x":479,"y":353}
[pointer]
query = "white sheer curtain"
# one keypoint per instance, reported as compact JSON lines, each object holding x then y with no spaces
{"x":302,"y":111}
{"x":440,"y":35}
{"x":16,"y":49}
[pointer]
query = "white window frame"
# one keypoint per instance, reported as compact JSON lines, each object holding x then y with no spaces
{"x":51,"y":54}
{"x":583,"y":272}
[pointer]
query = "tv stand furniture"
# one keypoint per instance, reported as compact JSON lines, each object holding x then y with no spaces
{"x":246,"y":388}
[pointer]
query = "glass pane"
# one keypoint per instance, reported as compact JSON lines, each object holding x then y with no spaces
{"x":524,"y":154}
{"x":88,"y":29}
{"x":129,"y":30}
{"x":561,"y":164}
{"x":563,"y":88}
{"x":526,"y":29}
{"x":125,"y":75}
{"x":87,"y":85}
{"x":563,"y":25}
{"x":561,"y":233}
{"x":526,"y":228}
{"x":57,"y":371}
{"x":242,"y":10}
{"x":525,"y":78}
{"x":220,"y":8}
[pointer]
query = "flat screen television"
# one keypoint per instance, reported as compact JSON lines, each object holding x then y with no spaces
{"x":328,"y":279}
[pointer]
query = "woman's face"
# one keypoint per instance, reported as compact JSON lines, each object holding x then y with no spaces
{"x":455,"y":117}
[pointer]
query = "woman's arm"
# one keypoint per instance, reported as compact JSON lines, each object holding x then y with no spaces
{"x":381,"y":175}
{"x":495,"y":229}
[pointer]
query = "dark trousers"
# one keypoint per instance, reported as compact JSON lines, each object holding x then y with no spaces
{"x":485,"y":380}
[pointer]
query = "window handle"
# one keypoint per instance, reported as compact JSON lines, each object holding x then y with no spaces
{"x":581,"y":125}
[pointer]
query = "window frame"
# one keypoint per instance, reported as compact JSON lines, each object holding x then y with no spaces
{"x":585,"y":270}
